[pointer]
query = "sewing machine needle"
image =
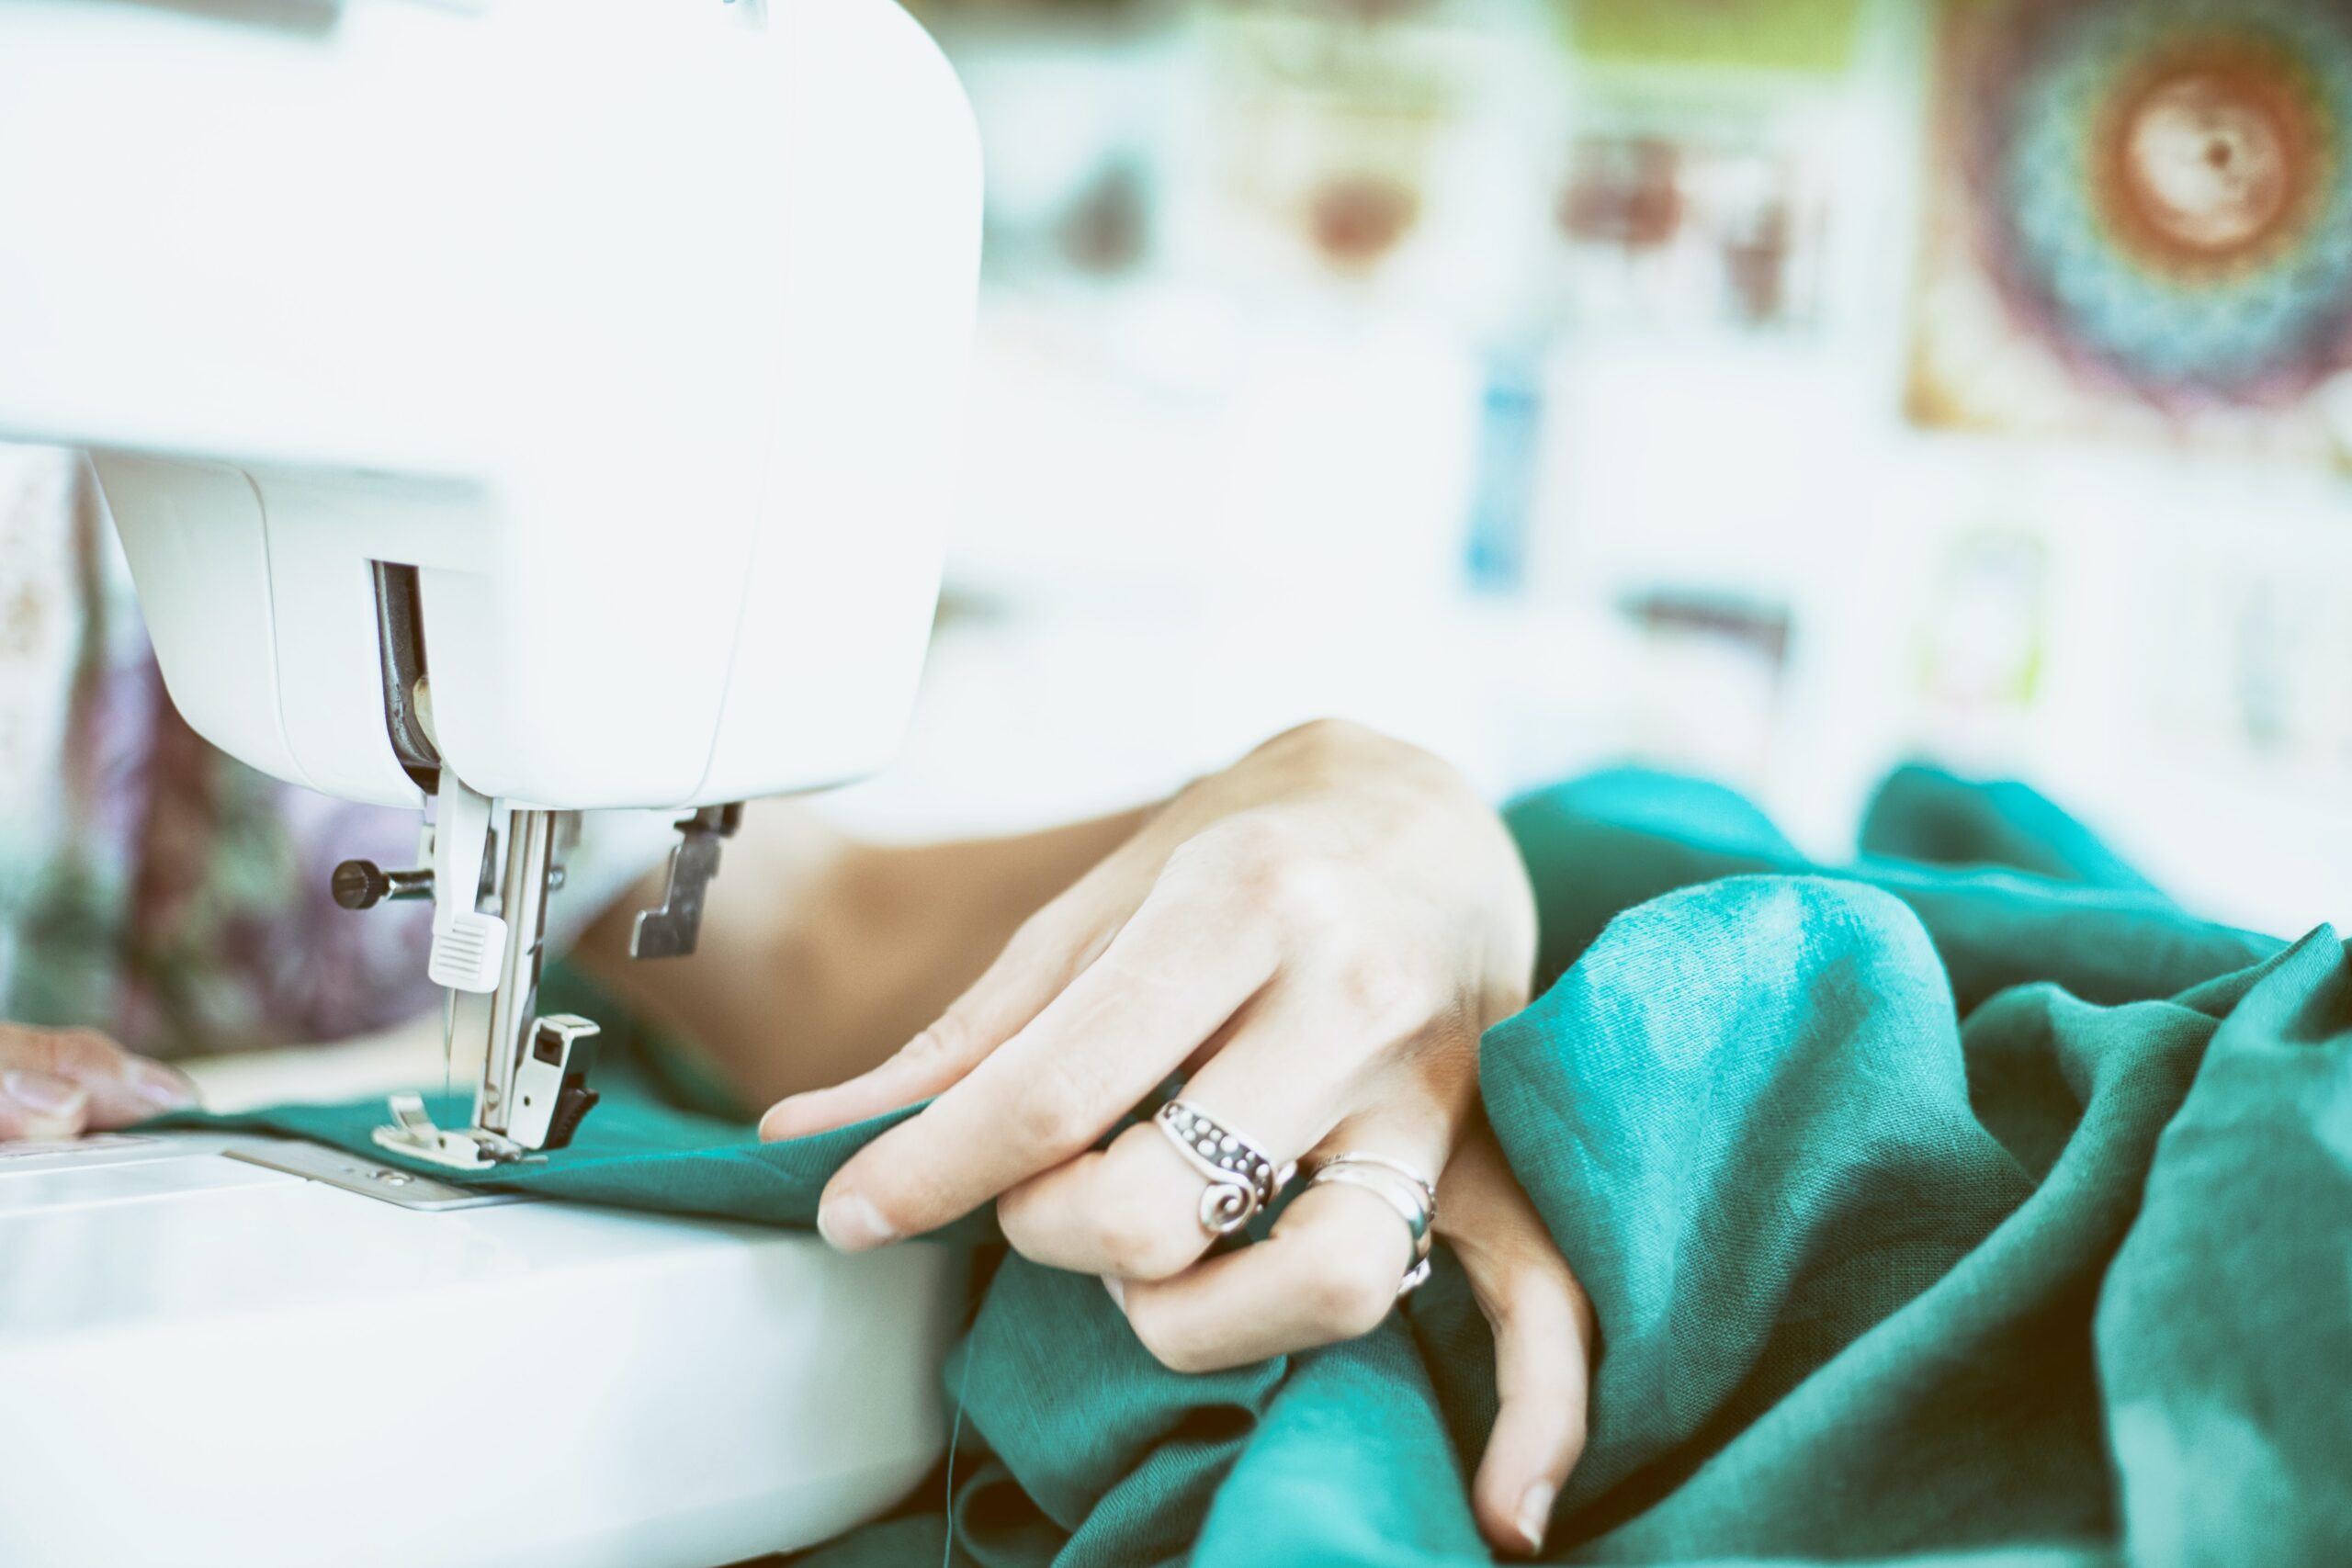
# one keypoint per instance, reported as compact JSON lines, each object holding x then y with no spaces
{"x":449,"y":1036}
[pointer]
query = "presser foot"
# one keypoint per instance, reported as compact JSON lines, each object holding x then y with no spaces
{"x":414,"y":1135}
{"x":546,"y":1095}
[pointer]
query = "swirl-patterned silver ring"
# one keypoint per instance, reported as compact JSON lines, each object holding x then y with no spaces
{"x":1242,"y":1180}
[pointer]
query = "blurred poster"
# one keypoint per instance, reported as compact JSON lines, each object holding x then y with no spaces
{"x":2140,"y":222}
{"x":2252,"y":661}
{"x":1691,"y":229}
{"x":1335,"y":119}
{"x":1983,"y":639}
{"x":1814,"y":37}
{"x":1705,"y":676}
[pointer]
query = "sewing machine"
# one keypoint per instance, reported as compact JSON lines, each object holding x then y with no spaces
{"x":509,"y":409}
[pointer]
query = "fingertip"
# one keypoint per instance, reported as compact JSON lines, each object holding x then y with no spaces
{"x":783,"y":1120}
{"x":1542,"y":1370}
{"x":37,"y":1105}
{"x":815,"y":1110}
{"x":163,"y":1088}
{"x":849,"y":1222}
{"x":1533,"y":1518}
{"x":1513,"y":1499}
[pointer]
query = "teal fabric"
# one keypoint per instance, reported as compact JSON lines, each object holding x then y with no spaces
{"x":1970,"y":1202}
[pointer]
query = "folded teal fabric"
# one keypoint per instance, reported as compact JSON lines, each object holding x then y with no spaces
{"x":1971,"y":1202}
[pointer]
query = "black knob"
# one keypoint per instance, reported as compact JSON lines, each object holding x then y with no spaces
{"x":360,"y":883}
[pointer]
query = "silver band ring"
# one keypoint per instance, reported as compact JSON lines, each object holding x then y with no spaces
{"x":1242,"y":1180}
{"x":1405,"y":1190}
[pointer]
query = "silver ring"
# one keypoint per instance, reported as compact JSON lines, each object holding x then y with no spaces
{"x":1405,"y":1190}
{"x":1242,"y":1181}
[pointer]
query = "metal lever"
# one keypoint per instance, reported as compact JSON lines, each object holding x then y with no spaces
{"x":551,"y":1093}
{"x":670,"y":930}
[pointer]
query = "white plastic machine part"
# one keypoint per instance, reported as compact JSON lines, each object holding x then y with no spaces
{"x":601,"y":357}
{"x":551,"y":402}
{"x":208,"y":1362}
{"x":636,"y":326}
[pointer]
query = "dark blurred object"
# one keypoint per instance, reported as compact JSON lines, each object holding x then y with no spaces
{"x":1709,"y":669}
{"x":1625,"y":192}
{"x":1761,"y":630}
{"x":1358,"y":218}
{"x":1108,"y":229}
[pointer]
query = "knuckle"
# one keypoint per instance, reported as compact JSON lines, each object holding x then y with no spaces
{"x":1326,"y":743}
{"x":1211,"y":862}
{"x":1257,"y":868}
{"x":1531,"y":1294}
{"x":1302,"y":891}
{"x":1136,"y":1241}
{"x":1043,"y":937}
{"x":1170,"y":1344}
{"x":1395,"y":998}
{"x":1054,"y":1112}
{"x":1252,"y":842}
{"x":945,"y":1039}
{"x":1351,"y":1298}
{"x":1271,"y":872}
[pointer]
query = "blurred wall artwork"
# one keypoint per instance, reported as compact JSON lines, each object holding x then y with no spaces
{"x":1814,"y":37}
{"x":2140,"y":223}
{"x":1682,"y":230}
{"x":1338,"y":120}
{"x":1983,"y":639}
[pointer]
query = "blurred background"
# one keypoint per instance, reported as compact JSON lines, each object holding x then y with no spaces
{"x":1774,"y":389}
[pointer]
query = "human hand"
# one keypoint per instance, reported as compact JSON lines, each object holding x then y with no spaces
{"x":61,"y":1083}
{"x":1315,"y":939}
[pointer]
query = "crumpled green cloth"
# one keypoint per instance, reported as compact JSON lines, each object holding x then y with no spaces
{"x":1973,"y":1202}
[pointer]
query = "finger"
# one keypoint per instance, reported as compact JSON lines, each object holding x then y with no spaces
{"x":37,"y":1106}
{"x":1329,"y":1272}
{"x":1133,"y":1211}
{"x":122,"y":1088}
{"x":1543,"y":1331}
{"x":1169,"y":979}
{"x":1049,"y":951}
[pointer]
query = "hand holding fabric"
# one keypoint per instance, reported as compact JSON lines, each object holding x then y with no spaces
{"x":61,"y":1083}
{"x":1315,"y":940}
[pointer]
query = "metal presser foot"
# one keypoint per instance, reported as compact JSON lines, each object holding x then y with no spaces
{"x":534,"y":1087}
{"x":549,"y":1096}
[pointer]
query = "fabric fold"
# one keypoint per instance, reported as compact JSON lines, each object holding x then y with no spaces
{"x":1996,"y":1215}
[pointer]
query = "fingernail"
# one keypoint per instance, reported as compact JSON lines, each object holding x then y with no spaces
{"x":1535,"y":1513}
{"x":1118,"y":1291}
{"x":852,"y":1223}
{"x":794,"y":1116}
{"x":161,"y":1086}
{"x":41,"y":1093}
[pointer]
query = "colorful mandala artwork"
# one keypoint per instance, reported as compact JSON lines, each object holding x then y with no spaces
{"x":2141,"y":220}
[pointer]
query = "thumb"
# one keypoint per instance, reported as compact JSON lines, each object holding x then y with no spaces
{"x":1543,"y":1332}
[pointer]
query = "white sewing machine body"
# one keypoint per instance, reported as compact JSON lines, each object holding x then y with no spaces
{"x":635,"y":326}
{"x":209,"y":1362}
{"x":538,"y":406}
